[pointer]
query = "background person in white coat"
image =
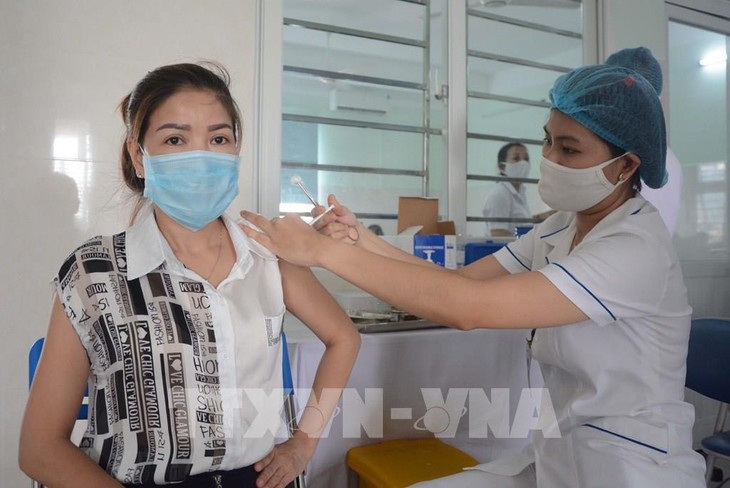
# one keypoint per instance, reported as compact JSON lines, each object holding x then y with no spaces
{"x":508,"y":198}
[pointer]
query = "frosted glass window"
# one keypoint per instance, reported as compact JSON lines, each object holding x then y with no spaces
{"x":698,"y":136}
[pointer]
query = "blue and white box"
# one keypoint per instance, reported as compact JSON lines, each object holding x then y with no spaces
{"x":437,"y":248}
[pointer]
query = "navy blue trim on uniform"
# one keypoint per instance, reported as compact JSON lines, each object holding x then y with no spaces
{"x":587,"y":290}
{"x":638,"y":210}
{"x":553,"y":233}
{"x":626,"y":438}
{"x":518,"y":259}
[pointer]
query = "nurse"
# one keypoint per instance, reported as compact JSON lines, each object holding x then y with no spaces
{"x":598,"y":282}
{"x":508,"y":198}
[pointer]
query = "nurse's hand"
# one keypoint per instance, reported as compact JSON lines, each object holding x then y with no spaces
{"x":341,"y":223}
{"x":288,"y":237}
{"x":282,"y":465}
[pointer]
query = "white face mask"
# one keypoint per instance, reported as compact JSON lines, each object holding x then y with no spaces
{"x":520,"y":169}
{"x":573,"y":189}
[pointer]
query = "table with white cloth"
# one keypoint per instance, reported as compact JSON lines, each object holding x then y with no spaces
{"x":441,"y":382}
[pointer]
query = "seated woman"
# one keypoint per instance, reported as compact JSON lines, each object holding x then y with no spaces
{"x":176,"y":322}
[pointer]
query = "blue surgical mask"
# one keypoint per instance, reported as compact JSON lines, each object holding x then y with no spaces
{"x":193,"y":187}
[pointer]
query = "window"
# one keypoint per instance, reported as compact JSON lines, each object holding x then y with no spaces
{"x":365,"y":99}
{"x":698,"y":136}
{"x":358,"y":119}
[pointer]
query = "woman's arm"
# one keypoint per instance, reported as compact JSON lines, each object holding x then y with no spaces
{"x":46,"y":453}
{"x":521,"y":301}
{"x":340,"y":223}
{"x":307,"y":299}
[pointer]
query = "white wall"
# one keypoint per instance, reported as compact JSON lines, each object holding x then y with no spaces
{"x":628,"y":23}
{"x":66,"y":66}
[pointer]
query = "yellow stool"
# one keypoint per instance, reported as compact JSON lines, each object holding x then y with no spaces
{"x":402,"y":462}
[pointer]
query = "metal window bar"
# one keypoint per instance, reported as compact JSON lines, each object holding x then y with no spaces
{"x":336,"y":75}
{"x":517,"y":61}
{"x":507,"y":99}
{"x":426,"y":96}
{"x":490,"y":137}
{"x":351,"y":169}
{"x":363,"y":124}
{"x":346,"y":31}
{"x":524,"y":23}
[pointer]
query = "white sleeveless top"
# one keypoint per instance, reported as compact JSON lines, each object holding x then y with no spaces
{"x":185,"y":377}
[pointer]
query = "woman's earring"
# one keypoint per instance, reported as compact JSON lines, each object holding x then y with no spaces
{"x":139,"y":175}
{"x":620,"y":176}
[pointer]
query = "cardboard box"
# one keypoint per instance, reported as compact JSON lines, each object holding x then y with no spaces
{"x":424,"y":212}
{"x":436,"y":240}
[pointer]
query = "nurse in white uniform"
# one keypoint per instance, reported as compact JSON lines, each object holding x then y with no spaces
{"x":598,"y":281}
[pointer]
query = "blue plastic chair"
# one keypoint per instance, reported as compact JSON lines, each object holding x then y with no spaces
{"x":290,"y":412}
{"x":708,"y":373}
{"x":33,"y":357}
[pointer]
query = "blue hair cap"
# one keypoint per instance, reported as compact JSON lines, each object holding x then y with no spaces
{"x":641,"y":60}
{"x":619,"y":105}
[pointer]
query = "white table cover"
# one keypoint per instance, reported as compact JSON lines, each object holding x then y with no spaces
{"x":402,"y":364}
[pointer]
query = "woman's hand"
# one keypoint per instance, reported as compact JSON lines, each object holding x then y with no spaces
{"x":282,"y":465}
{"x":288,"y":237}
{"x":340,"y":224}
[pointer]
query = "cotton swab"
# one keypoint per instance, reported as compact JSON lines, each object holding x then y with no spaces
{"x":316,"y":219}
{"x":296,"y":180}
